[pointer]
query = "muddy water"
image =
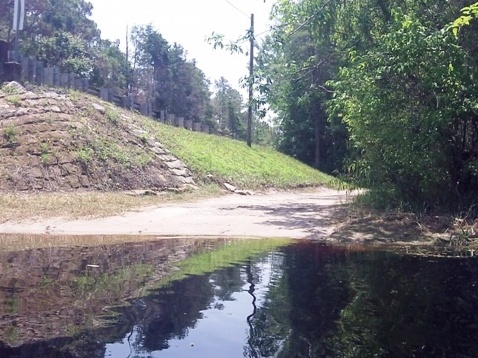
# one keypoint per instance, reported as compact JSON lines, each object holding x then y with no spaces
{"x":225,"y":298}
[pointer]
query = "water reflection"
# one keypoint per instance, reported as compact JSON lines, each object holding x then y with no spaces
{"x":299,"y":300}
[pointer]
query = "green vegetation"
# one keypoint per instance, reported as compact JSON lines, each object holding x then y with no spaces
{"x":233,"y":161}
{"x":9,"y":89}
{"x":112,"y":284}
{"x":74,"y":95}
{"x":84,"y":154}
{"x":112,"y":115}
{"x":382,"y":91}
{"x":128,"y":156}
{"x":468,"y":13}
{"x":15,"y":100}
{"x":144,"y":139}
{"x":10,"y":134}
{"x":88,"y":111}
{"x":45,"y":155}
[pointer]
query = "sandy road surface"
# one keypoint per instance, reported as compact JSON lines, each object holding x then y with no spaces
{"x":277,"y":214}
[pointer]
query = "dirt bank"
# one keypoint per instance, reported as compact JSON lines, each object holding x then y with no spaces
{"x":71,"y":141}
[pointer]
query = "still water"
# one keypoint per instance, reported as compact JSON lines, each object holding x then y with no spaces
{"x":234,"y":298}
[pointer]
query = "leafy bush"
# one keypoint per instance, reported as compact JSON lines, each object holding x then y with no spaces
{"x":410,"y":105}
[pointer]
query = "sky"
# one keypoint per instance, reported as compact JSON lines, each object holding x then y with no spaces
{"x":189,"y":23}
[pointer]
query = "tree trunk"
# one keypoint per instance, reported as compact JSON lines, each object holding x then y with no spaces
{"x":317,"y":141}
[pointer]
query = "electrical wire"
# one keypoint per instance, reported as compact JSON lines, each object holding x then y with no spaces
{"x":235,"y":7}
{"x":310,"y":18}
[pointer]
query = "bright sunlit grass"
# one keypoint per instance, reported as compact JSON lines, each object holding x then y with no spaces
{"x":233,"y":161}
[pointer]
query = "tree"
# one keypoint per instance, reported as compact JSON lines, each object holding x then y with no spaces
{"x":149,"y":64}
{"x":410,"y":106}
{"x":6,"y":16}
{"x":62,"y":34}
{"x":403,"y":92}
{"x":228,"y":111}
{"x":67,"y":51}
{"x":298,"y":67}
{"x":47,"y":18}
{"x":110,"y":68}
{"x":162,"y":73}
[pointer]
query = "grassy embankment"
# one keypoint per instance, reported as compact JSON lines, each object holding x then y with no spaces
{"x":227,"y":160}
{"x":213,"y":160}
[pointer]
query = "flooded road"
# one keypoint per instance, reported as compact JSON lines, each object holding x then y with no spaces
{"x":231,"y":298}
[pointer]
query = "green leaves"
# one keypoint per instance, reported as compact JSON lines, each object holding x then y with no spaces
{"x":164,"y":74}
{"x":395,"y":82}
{"x":468,"y":13}
{"x":403,"y":103}
{"x":67,"y":51}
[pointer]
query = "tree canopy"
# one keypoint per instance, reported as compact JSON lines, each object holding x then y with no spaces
{"x":385,"y":91}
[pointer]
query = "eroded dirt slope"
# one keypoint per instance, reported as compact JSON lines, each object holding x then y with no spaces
{"x":53,"y":141}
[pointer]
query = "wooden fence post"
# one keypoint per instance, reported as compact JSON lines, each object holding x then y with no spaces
{"x":40,"y":73}
{"x":48,"y":77}
{"x":71,"y":80}
{"x":179,"y":122}
{"x":3,"y":51}
{"x":56,"y":76}
{"x":104,"y":94}
{"x":196,"y":126}
{"x":12,"y":71}
{"x":143,"y":109}
{"x":64,"y":80}
{"x":86,"y":85}
{"x":32,"y":70}
{"x":25,"y":69}
{"x":170,"y":118}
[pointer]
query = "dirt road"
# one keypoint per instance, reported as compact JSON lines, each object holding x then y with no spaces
{"x":275,"y":214}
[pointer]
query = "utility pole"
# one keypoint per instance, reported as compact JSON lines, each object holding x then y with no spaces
{"x":251,"y":83}
{"x":18,"y":16}
{"x":128,"y":76}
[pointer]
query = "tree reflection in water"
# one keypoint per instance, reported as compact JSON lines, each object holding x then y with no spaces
{"x":251,"y":352}
{"x":303,"y":300}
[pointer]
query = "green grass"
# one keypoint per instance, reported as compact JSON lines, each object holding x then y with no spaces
{"x":233,"y":161}
{"x":10,"y":134}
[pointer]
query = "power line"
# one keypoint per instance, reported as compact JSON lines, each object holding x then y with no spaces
{"x":264,"y":32}
{"x":235,"y":7}
{"x":310,"y":18}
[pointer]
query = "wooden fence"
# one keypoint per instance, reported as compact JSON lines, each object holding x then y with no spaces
{"x":35,"y":72}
